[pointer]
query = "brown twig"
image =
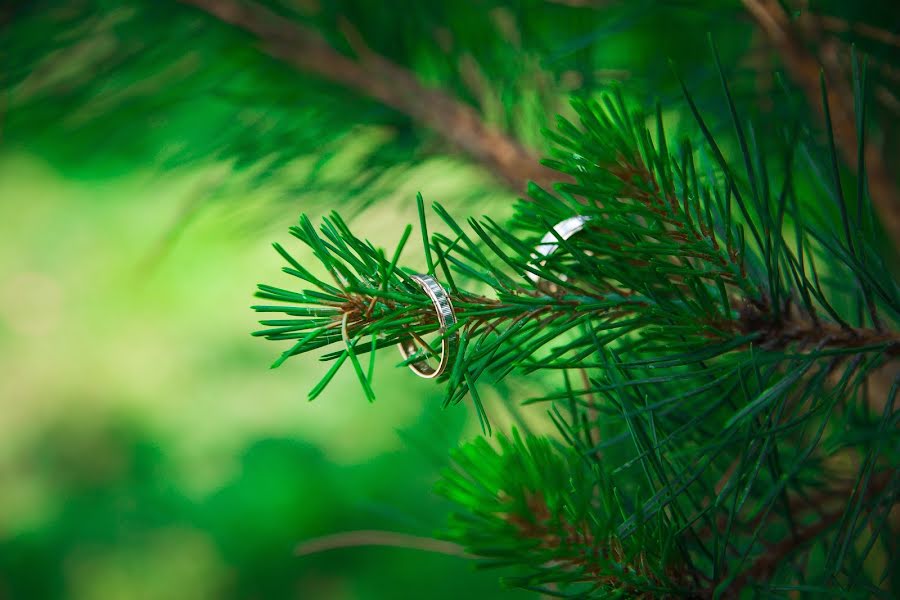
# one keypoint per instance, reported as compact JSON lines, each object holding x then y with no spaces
{"x":793,"y":41}
{"x":797,"y":327}
{"x":581,"y":3}
{"x":837,"y":25}
{"x":373,"y":537}
{"x":376,"y":77}
{"x":764,"y":566}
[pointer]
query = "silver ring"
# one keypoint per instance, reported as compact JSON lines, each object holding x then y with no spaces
{"x":446,"y":319}
{"x":550,"y":242}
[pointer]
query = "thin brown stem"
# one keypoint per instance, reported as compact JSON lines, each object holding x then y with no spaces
{"x":376,"y":77}
{"x":774,"y":556}
{"x":876,"y":34}
{"x":796,"y":327}
{"x":374,"y":537}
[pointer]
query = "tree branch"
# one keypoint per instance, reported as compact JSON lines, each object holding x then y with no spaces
{"x":792,"y":42}
{"x":837,"y":25}
{"x":380,"y":79}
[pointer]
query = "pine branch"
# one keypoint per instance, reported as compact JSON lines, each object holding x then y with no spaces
{"x":793,"y":41}
{"x":380,"y":79}
{"x":373,"y":305}
{"x":661,"y":262}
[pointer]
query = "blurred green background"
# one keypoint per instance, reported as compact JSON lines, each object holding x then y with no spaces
{"x":146,"y":450}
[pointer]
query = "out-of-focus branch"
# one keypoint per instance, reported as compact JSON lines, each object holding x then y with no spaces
{"x":793,"y":41}
{"x":378,"y":78}
{"x":581,"y":3}
{"x":836,"y":25}
{"x":370,"y":537}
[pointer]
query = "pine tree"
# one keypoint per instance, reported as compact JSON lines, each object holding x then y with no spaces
{"x":705,"y":290}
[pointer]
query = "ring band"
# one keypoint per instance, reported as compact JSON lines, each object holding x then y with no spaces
{"x":550,"y":242}
{"x":446,"y":319}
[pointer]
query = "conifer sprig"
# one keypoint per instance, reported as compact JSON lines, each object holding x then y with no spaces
{"x":663,"y":262}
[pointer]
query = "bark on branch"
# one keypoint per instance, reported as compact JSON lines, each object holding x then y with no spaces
{"x":793,"y":41}
{"x":376,"y":77}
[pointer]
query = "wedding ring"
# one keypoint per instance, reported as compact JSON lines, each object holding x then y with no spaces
{"x":446,"y":319}
{"x":550,"y":242}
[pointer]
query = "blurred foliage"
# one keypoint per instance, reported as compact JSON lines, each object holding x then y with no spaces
{"x":142,"y":82}
{"x":124,"y":527}
{"x":136,"y":463}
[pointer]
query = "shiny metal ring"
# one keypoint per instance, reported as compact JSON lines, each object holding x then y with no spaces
{"x":446,"y":319}
{"x":550,"y":242}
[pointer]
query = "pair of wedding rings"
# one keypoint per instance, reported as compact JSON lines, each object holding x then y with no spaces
{"x":444,"y":308}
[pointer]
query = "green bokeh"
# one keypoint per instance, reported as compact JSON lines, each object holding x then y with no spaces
{"x":146,"y":450}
